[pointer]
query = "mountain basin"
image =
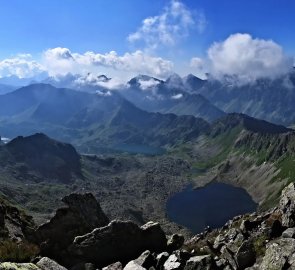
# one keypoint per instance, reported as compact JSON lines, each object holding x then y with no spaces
{"x":140,"y":149}
{"x":212,"y":205}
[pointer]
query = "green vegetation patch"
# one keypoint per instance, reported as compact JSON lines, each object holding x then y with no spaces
{"x":17,"y":252}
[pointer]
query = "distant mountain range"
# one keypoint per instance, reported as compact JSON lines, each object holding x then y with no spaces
{"x":169,"y":96}
{"x":91,"y":121}
{"x":269,"y":99}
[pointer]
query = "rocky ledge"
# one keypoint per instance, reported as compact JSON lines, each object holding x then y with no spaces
{"x":80,"y":236}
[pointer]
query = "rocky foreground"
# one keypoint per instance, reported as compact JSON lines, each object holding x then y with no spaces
{"x":80,"y":236}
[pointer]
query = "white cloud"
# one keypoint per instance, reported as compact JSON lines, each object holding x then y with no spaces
{"x":197,"y":63}
{"x":102,"y":80}
{"x":148,"y":84}
{"x":168,"y":28}
{"x":177,"y":96}
{"x":247,"y":58}
{"x":59,"y":61}
{"x":63,"y":61}
{"x":22,"y":66}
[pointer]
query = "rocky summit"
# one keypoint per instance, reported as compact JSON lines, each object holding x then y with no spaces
{"x":80,"y":236}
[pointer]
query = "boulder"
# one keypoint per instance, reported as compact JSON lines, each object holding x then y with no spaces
{"x":204,"y":262}
{"x":48,"y":264}
{"x":245,"y":256}
{"x":228,"y":255}
{"x":175,"y":242}
{"x":172,"y":263}
{"x":146,"y":260}
{"x":132,"y":265}
{"x":114,"y":266}
{"x":161,"y":259}
{"x":279,"y":255}
{"x":18,"y":266}
{"x":14,"y":224}
{"x":82,"y":215}
{"x":287,"y":206}
{"x":119,"y":241}
{"x":182,"y":255}
{"x":289,"y":233}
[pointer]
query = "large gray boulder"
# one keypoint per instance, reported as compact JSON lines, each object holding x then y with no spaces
{"x":133,"y":265}
{"x":287,"y":206}
{"x":204,"y":262}
{"x":48,"y":264}
{"x":18,"y":266}
{"x":81,"y":215}
{"x":173,"y":263}
{"x":119,"y":241}
{"x":289,"y":233}
{"x":279,"y":255}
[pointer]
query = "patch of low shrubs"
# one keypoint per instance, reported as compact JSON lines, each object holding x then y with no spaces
{"x":17,"y":252}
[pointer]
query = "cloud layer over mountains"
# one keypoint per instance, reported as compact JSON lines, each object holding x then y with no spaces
{"x":240,"y":55}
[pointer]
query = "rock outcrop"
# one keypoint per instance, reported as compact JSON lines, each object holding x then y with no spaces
{"x":119,"y":241}
{"x":42,"y":264}
{"x":287,"y":206}
{"x":80,"y":237}
{"x":82,"y":215}
{"x":14,"y":224}
{"x":48,"y":264}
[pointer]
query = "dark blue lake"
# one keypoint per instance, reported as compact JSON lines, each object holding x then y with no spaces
{"x":212,"y":205}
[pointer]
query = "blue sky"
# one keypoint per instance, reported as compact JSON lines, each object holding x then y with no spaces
{"x":101,"y":26}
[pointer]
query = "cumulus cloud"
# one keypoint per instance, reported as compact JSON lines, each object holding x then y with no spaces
{"x":59,"y":61}
{"x":247,"y":58}
{"x":166,"y":29}
{"x":63,"y":61}
{"x":22,"y":66}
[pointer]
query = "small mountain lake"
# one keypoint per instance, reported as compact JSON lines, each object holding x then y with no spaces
{"x":139,"y":149}
{"x":212,"y":205}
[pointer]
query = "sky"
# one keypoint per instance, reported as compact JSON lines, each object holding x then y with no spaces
{"x":252,"y":38}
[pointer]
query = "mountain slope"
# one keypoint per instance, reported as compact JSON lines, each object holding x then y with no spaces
{"x":271,"y":99}
{"x":246,"y":152}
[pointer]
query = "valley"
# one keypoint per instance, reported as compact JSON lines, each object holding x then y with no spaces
{"x":234,"y":150}
{"x":180,"y":170}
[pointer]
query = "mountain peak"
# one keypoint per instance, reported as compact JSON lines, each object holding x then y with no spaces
{"x":174,"y":79}
{"x":49,"y":158}
{"x":103,"y":78}
{"x":193,"y":83}
{"x":144,"y":81}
